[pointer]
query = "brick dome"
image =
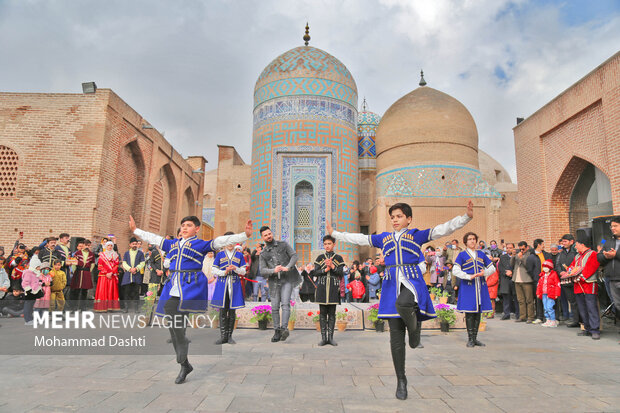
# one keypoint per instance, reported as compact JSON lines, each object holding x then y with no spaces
{"x":425,"y":127}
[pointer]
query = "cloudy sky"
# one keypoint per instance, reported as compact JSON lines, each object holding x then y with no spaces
{"x":189,"y":67}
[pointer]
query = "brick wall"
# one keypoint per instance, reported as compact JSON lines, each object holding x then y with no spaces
{"x":85,"y":164}
{"x":580,"y":126}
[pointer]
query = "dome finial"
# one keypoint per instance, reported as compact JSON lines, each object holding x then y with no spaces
{"x":364,"y":106}
{"x":422,"y":81}
{"x":307,"y":35}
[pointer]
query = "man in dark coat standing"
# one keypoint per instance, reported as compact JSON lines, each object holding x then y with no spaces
{"x":506,"y":285}
{"x":133,"y":263}
{"x":563,"y":261}
{"x":533,"y":266}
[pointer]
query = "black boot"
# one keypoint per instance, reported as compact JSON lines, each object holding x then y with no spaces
{"x":276,"y":335}
{"x":284,"y":333}
{"x":232,"y":317}
{"x":186,"y":368}
{"x":469,"y":322}
{"x":331,"y":323}
{"x":419,"y":343}
{"x":407,"y":312}
{"x":476,"y":325}
{"x":323,"y":323}
{"x":397,"y":347}
{"x":223,"y":327}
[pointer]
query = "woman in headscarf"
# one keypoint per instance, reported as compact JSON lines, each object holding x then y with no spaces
{"x":106,"y":296}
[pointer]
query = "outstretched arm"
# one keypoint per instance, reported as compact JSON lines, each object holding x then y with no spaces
{"x":359,"y":239}
{"x":454,"y":224}
{"x":225,"y":240}
{"x":144,"y":235}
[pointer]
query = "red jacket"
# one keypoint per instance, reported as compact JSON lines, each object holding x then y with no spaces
{"x":548,"y":283}
{"x":357,"y":288}
{"x":493,"y":284}
{"x":588,"y":264}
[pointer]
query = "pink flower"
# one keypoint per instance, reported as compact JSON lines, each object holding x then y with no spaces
{"x":149,"y":293}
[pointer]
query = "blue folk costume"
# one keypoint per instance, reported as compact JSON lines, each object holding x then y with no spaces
{"x":473,"y":294}
{"x":228,"y":284}
{"x":402,"y":254}
{"x":186,"y":274}
{"x":405,"y":301}
{"x":228,"y":294}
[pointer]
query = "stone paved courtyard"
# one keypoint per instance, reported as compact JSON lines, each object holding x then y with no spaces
{"x":524,"y":368}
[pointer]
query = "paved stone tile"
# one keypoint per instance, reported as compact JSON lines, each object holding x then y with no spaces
{"x":465,"y":392}
{"x":428,"y":392}
{"x":89,"y":398}
{"x":512,"y":391}
{"x":275,"y":404}
{"x":284,"y":379}
{"x":216,"y":402}
{"x":467,"y":380}
{"x":176,"y":401}
{"x":285,"y":391}
{"x":394,"y":405}
{"x":508,"y":380}
{"x":547,"y":404}
{"x":244,"y":389}
{"x":468,"y":405}
{"x":121,"y":400}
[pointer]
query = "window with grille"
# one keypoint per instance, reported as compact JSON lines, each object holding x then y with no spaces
{"x":8,"y":171}
{"x":303,"y":217}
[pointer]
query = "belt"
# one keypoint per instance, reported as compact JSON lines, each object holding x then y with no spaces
{"x":186,"y":275}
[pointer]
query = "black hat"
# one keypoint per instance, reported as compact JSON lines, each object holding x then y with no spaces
{"x":133,"y":239}
{"x":584,"y":239}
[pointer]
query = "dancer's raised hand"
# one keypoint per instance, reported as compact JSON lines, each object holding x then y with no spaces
{"x":328,"y":228}
{"x":248,"y":228}
{"x":132,"y":224}
{"x":470,"y":209}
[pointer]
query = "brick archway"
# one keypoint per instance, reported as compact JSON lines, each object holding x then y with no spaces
{"x":130,"y":190}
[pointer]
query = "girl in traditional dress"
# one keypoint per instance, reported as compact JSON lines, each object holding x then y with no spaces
{"x":43,"y":304}
{"x":106,"y":296}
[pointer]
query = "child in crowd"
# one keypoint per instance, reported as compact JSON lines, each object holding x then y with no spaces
{"x":32,"y":290}
{"x":357,"y":288}
{"x":548,"y":290}
{"x":59,"y":282}
{"x":13,"y":303}
{"x":43,"y":304}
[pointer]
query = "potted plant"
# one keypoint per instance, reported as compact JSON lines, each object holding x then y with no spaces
{"x":293,"y":317}
{"x":213,"y":315}
{"x":483,"y":321}
{"x":315,"y":319}
{"x":237,"y":318}
{"x":341,"y":319}
{"x":443,"y":297}
{"x":433,"y":293}
{"x":261,"y":315}
{"x":446,"y":316}
{"x":373,"y":317}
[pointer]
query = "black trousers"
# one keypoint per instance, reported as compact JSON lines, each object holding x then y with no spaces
{"x":588,"y":311}
{"x":329,"y":310}
{"x":132,"y":295}
{"x":78,"y":298}
{"x":397,"y":332}
{"x":569,"y":291}
{"x":540,"y":310}
{"x":177,"y":328}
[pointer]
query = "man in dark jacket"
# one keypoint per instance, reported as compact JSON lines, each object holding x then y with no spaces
{"x":277,"y":261}
{"x":609,"y":258}
{"x":564,"y":260}
{"x":506,"y":285}
{"x":533,"y":266}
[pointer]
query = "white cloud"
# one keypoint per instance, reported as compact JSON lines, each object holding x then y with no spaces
{"x":190,"y":67}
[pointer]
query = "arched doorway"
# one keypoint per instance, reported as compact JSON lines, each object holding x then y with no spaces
{"x":189,"y":207}
{"x":591,"y":197}
{"x":130,"y":190}
{"x":164,"y":203}
{"x":304,"y":218}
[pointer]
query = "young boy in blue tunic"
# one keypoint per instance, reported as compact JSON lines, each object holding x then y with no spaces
{"x":228,"y":266}
{"x":472,"y":266}
{"x":186,"y":290}
{"x":405,"y":301}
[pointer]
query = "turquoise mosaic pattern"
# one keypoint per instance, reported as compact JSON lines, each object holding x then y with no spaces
{"x":434,"y":181}
{"x":367,"y":123}
{"x":306,"y":71}
{"x":305,"y":87}
{"x":308,"y":107}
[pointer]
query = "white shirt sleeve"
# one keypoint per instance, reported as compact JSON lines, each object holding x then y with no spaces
{"x":149,"y":237}
{"x":225,"y":240}
{"x":489,"y":270}
{"x":240,"y":270}
{"x":449,"y":227}
{"x":359,"y":239}
{"x":458,"y":272}
{"x":217,"y":272}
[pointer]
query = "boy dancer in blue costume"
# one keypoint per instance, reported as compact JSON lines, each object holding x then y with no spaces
{"x":186,"y":291}
{"x":228,"y":267}
{"x":405,"y":301}
{"x":472,"y":266}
